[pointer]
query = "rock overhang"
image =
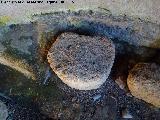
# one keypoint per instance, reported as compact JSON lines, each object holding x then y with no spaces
{"x":47,"y":27}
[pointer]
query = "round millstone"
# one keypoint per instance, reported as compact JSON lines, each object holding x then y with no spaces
{"x":82,"y":62}
{"x":144,"y":82}
{"x":3,"y":111}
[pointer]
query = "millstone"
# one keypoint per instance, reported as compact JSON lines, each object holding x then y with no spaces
{"x":82,"y":62}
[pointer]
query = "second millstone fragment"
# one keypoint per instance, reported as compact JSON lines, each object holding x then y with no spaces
{"x":82,"y":62}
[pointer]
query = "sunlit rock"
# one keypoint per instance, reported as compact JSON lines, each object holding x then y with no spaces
{"x":82,"y":62}
{"x":144,"y":82}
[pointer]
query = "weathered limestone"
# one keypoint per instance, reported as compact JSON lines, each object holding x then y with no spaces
{"x":82,"y":62}
{"x":144,"y":82}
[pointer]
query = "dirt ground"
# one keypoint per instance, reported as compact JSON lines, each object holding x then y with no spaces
{"x":29,"y":100}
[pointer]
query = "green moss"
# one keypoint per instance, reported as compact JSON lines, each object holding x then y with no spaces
{"x":31,"y":89}
{"x":16,"y":84}
{"x":4,"y":20}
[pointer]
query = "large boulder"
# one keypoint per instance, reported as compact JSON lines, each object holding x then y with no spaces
{"x":82,"y":62}
{"x":144,"y":82}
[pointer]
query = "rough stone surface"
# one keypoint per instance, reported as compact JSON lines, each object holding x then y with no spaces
{"x":3,"y":111}
{"x":18,"y":48}
{"x":24,"y":46}
{"x":19,"y":44}
{"x":146,"y":9}
{"x":122,"y":28}
{"x":144,"y":82}
{"x":82,"y":62}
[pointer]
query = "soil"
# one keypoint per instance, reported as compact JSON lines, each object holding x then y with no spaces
{"x":29,"y":100}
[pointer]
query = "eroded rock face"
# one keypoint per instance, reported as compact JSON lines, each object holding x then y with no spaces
{"x":24,"y":47}
{"x":144,"y":82}
{"x":82,"y":62}
{"x":118,"y":28}
{"x":18,"y":48}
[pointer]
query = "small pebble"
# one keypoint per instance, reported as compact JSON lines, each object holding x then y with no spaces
{"x":126,"y":114}
{"x":96,"y":97}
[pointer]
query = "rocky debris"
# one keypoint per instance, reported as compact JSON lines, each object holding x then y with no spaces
{"x":58,"y":101}
{"x":18,"y":109}
{"x":97,"y":97}
{"x":121,"y":83}
{"x":89,"y":23}
{"x":3,"y":111}
{"x":144,"y":82}
{"x":22,"y":95}
{"x":82,"y":62}
{"x":58,"y":109}
{"x":24,"y":110}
